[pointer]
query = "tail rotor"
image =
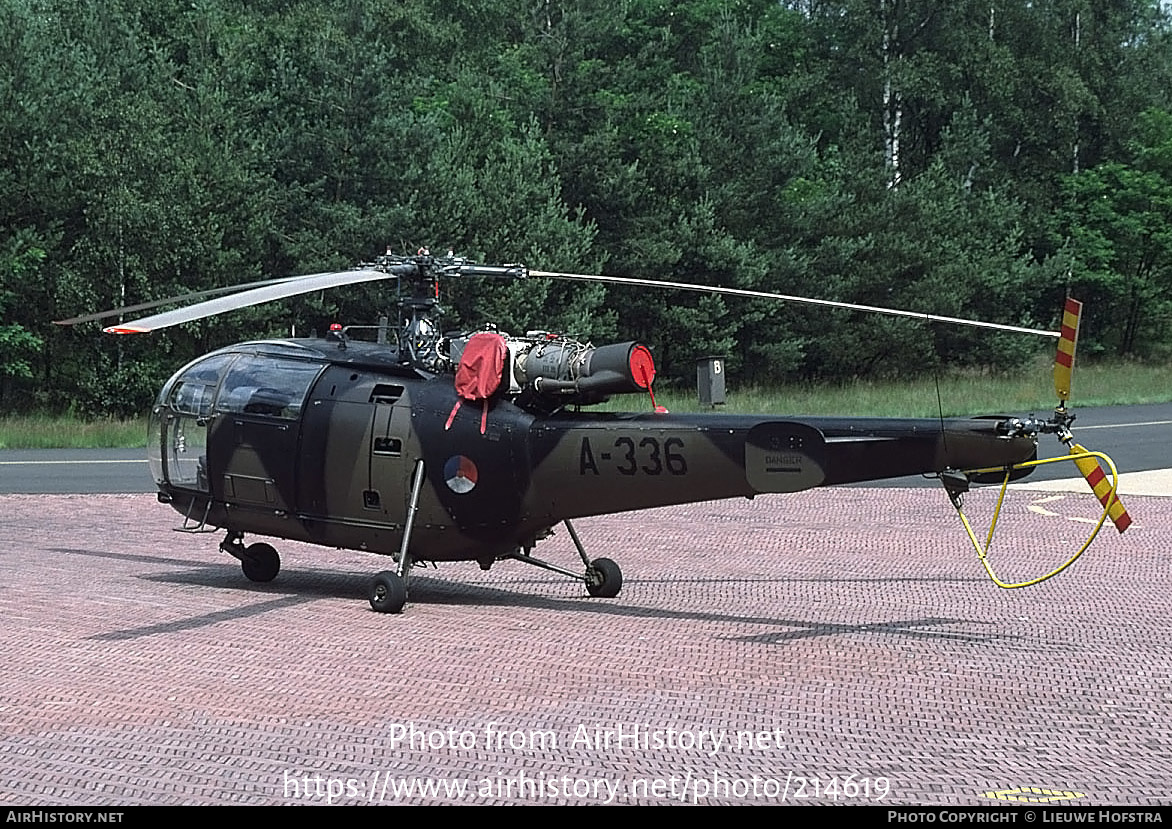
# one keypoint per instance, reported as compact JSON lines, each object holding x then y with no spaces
{"x":1087,"y":462}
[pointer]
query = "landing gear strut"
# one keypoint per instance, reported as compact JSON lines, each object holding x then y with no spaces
{"x":388,"y":589}
{"x":603,"y":578}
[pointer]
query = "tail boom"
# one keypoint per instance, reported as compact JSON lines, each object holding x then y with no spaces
{"x":593,"y":466}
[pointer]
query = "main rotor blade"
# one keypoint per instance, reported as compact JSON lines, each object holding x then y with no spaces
{"x":244,"y":299}
{"x":155,"y":303}
{"x":688,"y":286}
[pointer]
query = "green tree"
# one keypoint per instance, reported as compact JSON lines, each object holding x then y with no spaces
{"x":1119,"y":230}
{"x":19,"y":263}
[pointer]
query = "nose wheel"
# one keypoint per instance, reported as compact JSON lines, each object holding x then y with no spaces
{"x":260,"y":562}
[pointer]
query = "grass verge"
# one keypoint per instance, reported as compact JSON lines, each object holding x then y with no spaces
{"x":65,"y":432}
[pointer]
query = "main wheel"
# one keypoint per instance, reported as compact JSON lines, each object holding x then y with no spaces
{"x":388,"y":592}
{"x":604,"y":579}
{"x":260,"y":562}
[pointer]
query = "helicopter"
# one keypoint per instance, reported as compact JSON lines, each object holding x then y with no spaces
{"x":433,"y":447}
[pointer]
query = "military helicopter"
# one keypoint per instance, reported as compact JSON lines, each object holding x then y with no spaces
{"x":431,"y":448}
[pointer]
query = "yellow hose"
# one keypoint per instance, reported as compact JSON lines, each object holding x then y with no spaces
{"x":983,"y":552}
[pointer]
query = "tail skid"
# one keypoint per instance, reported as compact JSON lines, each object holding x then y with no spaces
{"x":956,"y":485}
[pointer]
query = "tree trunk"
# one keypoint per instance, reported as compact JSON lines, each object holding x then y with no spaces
{"x":892,"y":100}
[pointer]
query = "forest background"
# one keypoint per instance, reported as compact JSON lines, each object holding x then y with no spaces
{"x":975,"y":158}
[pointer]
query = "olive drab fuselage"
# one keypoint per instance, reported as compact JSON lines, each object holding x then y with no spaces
{"x":319,"y":441}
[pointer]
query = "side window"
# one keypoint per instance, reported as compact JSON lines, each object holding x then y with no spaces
{"x":270,"y":386}
{"x":193,"y":392}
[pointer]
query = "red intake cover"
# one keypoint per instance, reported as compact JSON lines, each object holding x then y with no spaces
{"x":481,"y":366}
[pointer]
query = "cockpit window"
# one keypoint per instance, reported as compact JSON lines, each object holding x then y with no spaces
{"x":194,"y":389}
{"x":269,"y":386}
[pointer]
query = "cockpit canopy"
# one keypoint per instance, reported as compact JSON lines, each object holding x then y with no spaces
{"x":229,"y":382}
{"x":241,"y":383}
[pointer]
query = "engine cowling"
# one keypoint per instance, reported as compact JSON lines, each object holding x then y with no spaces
{"x":563,"y":370}
{"x":569,"y":369}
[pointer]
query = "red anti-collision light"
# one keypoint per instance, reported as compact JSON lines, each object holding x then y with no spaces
{"x":335,"y":326}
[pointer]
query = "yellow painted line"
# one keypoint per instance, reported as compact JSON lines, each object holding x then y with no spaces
{"x":1032,"y":794}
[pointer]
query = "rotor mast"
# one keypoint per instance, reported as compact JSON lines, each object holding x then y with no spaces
{"x":417,"y":299}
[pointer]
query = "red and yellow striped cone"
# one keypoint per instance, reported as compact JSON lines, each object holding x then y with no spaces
{"x":1093,"y":471}
{"x":1067,"y":340}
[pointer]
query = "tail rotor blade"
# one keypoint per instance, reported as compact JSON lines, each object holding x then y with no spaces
{"x":1100,"y":484}
{"x":1067,"y":341}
